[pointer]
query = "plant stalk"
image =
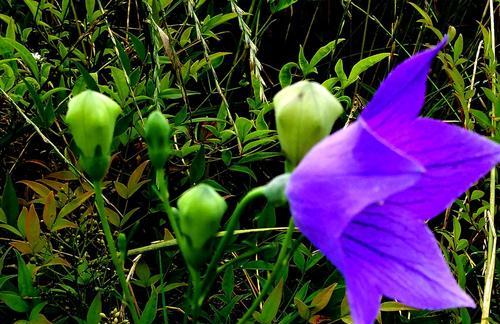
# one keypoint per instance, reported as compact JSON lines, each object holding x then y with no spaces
{"x":99,"y":201}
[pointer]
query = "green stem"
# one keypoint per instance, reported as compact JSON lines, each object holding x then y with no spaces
{"x":173,"y":242}
{"x":163,"y":299}
{"x":233,"y":221}
{"x":99,"y":201}
{"x":196,"y":284}
{"x":280,"y":263}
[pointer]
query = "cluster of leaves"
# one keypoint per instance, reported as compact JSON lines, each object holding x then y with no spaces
{"x":211,"y":68}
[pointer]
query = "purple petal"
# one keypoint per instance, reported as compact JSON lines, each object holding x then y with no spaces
{"x":343,"y":174}
{"x":401,"y":95}
{"x":364,"y":299}
{"x":453,"y":157}
{"x":398,"y":256}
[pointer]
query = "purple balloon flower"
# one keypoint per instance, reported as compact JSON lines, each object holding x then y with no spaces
{"x":363,"y":194}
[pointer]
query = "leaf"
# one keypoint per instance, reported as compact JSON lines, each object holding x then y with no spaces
{"x":24,"y":279}
{"x":138,"y":47}
{"x":74,"y":204}
{"x":61,"y":223}
{"x":112,"y":217}
{"x":278,"y":5}
{"x":25,"y":55}
{"x":322,"y":298}
{"x":304,"y":65}
{"x":121,"y":190}
{"x":21,"y":246}
{"x":32,"y":226}
{"x":120,"y":81}
{"x":364,"y":65}
{"x":285,"y":75}
{"x":95,"y":309}
{"x":228,"y":282}
{"x":10,"y":205}
{"x":197,"y":169}
{"x":149,"y":313}
{"x":14,"y":301}
{"x":89,"y":80}
{"x":11,"y":26}
{"x":243,"y":169}
{"x":40,"y":189}
{"x":133,"y":183}
{"x":63,"y":175}
{"x":243,"y":125}
{"x":481,"y":118}
{"x":339,"y":70}
{"x":324,"y":51}
{"x":425,"y":16}
{"x":272,"y":304}
{"x":302,"y":308}
{"x":394,"y":307}
{"x":49,"y":210}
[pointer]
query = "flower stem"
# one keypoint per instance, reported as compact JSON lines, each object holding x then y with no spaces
{"x":99,"y":201}
{"x":276,"y":271}
{"x":211,"y":272}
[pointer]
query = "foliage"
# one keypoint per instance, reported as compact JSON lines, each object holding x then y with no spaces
{"x":211,"y":67}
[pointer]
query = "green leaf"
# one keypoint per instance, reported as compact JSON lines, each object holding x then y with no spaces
{"x":271,"y":305}
{"x":10,"y":205}
{"x":243,"y":126}
{"x":339,"y":70}
{"x":25,"y":55}
{"x":74,"y":204}
{"x":89,"y":80}
{"x":285,"y":75}
{"x":95,"y":308}
{"x":278,"y":5}
{"x":14,"y":301}
{"x":120,"y":81}
{"x":304,"y":65}
{"x":364,"y":65}
{"x":149,"y":313}
{"x":24,"y":279}
{"x":197,"y":169}
{"x":89,"y":5}
{"x":11,"y":26}
{"x":426,"y":18}
{"x":324,"y":51}
{"x":481,"y":118}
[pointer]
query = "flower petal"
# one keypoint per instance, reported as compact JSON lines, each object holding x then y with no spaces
{"x":453,"y":157}
{"x":398,"y":256}
{"x":401,"y":95}
{"x":364,"y":299}
{"x":340,"y":176}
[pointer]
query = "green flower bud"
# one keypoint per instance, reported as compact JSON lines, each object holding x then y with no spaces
{"x":91,"y":119}
{"x":200,"y":210}
{"x":158,"y":131}
{"x":305,"y":114}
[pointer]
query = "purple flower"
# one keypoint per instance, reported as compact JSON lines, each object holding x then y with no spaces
{"x":363,"y":194}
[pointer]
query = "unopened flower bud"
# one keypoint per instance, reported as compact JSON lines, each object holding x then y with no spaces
{"x":200,"y":211}
{"x":305,"y":114}
{"x":91,"y":119}
{"x":158,"y":131}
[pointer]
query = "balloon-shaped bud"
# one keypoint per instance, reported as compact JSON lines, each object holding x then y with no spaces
{"x":305,"y":114}
{"x":91,"y":119}
{"x":200,"y":210}
{"x":158,"y":131}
